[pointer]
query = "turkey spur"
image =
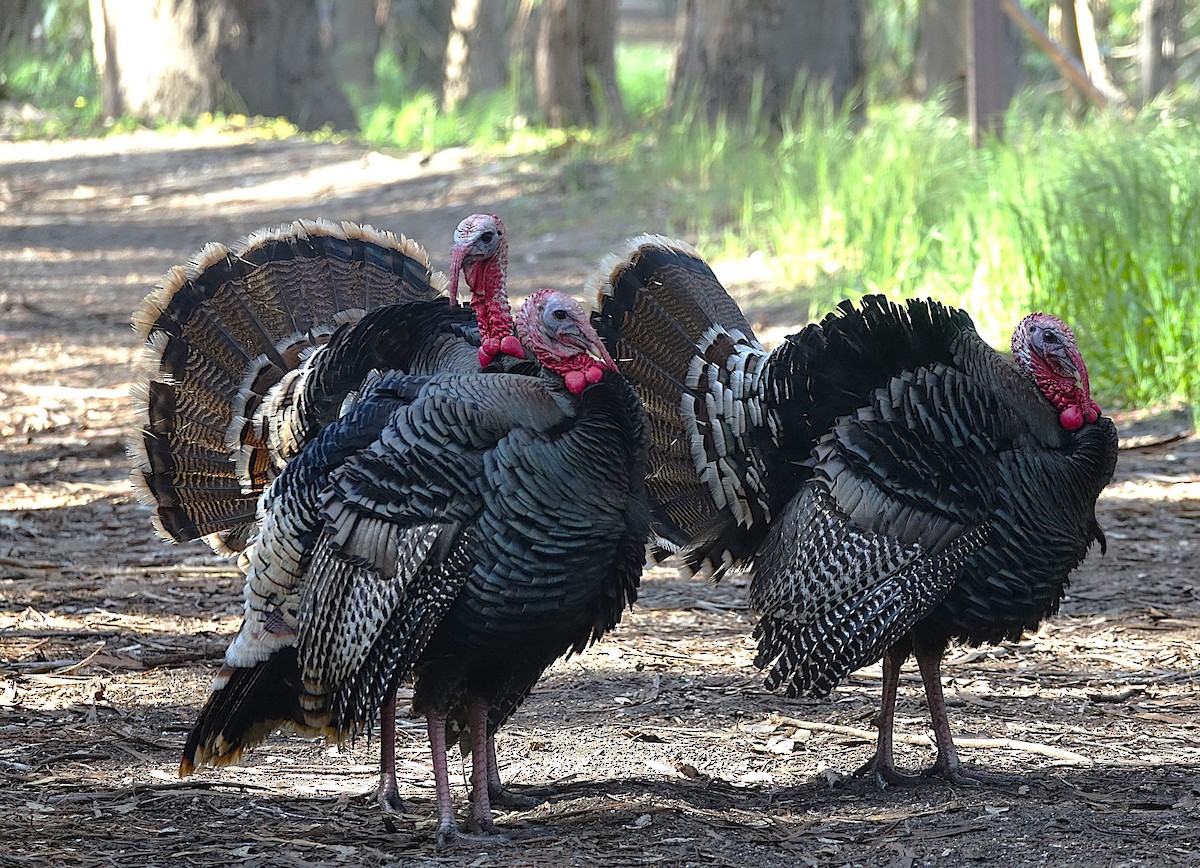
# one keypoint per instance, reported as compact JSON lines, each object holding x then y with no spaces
{"x":894,"y":483}
{"x":462,"y":530}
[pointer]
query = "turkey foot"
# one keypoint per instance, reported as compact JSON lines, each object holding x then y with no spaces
{"x":450,"y":836}
{"x":957,"y":773}
{"x":885,"y":773}
{"x":882,"y":766}
{"x":517,"y":800}
{"x":389,"y":799}
{"x":501,"y":796}
{"x":947,"y":766}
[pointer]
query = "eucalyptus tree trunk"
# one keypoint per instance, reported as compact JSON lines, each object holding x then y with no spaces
{"x":477,"y":50}
{"x":273,"y":59}
{"x":418,"y":30}
{"x":575,"y":69}
{"x":941,"y":58}
{"x":173,"y":59}
{"x":157,"y":59}
{"x":354,"y":28}
{"x":746,"y":57}
{"x":1161,"y":23}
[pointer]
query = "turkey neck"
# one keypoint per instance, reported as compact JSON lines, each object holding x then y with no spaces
{"x":1016,"y":389}
{"x":489,"y":298}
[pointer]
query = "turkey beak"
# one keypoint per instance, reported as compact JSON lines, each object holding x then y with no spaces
{"x":589,"y":343}
{"x":603,"y":359}
{"x":1068,"y":364}
{"x":1080,"y":371}
{"x":456,"y":262}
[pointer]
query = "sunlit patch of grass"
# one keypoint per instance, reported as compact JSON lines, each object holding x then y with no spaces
{"x":642,"y":73}
{"x":1111,"y":237}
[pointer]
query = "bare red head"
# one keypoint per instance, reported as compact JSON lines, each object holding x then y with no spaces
{"x":1044,"y":347}
{"x":556,"y":329}
{"x":480,"y":255}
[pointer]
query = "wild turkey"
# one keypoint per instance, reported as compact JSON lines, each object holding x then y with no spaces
{"x":894,"y":483}
{"x":253,"y":350}
{"x":464,"y":530}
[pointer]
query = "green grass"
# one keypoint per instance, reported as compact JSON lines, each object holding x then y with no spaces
{"x":1111,"y":233}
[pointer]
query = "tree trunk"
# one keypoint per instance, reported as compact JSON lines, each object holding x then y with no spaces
{"x":17,"y":25}
{"x":1074,"y":27}
{"x":1161,"y":22}
{"x":173,"y":59}
{"x":735,"y":54}
{"x":275,"y":62}
{"x":354,"y":27}
{"x":477,"y":51}
{"x":418,"y":32}
{"x":941,"y":58}
{"x":991,"y":68}
{"x":523,"y":53}
{"x":157,"y":59}
{"x":575,"y":63}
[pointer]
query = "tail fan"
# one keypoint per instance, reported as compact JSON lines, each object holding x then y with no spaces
{"x":829,"y":369}
{"x":692,"y":357}
{"x":221,"y":334}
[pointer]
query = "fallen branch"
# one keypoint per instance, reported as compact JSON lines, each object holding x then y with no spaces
{"x":26,"y":565}
{"x":981,"y":743}
{"x":1070,"y":67}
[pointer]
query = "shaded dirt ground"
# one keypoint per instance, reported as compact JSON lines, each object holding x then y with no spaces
{"x":663,"y":746}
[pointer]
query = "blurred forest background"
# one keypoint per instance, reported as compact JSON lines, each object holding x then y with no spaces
{"x":999,"y":155}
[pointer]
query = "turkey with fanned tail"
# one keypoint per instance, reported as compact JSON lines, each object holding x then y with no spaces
{"x":254,"y":349}
{"x":462,"y":530}
{"x":894,"y":483}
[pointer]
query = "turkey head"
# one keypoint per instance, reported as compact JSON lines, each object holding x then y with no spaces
{"x":480,"y":254}
{"x":554,"y":326}
{"x":1044,"y":348}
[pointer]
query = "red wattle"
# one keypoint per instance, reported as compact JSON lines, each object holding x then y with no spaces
{"x":593,"y":374}
{"x":576,"y":382}
{"x":510,"y":346}
{"x":1071,"y":418}
{"x":485,"y":358}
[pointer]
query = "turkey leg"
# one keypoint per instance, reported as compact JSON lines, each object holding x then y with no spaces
{"x":947,"y":766}
{"x":498,"y":794}
{"x":389,"y":792}
{"x":882,"y":766}
{"x":480,"y":819}
{"x":435,"y":724}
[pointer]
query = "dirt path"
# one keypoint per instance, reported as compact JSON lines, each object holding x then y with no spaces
{"x":663,"y":746}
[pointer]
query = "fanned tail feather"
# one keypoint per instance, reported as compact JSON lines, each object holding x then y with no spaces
{"x":692,"y":357}
{"x":221,"y":334}
{"x":829,"y":369}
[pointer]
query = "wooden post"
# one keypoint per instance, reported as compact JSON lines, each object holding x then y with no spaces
{"x":987,"y":93}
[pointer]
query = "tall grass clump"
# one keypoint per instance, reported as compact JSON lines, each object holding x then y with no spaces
{"x":902,"y":205}
{"x":398,"y":115}
{"x":1110,"y":232}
